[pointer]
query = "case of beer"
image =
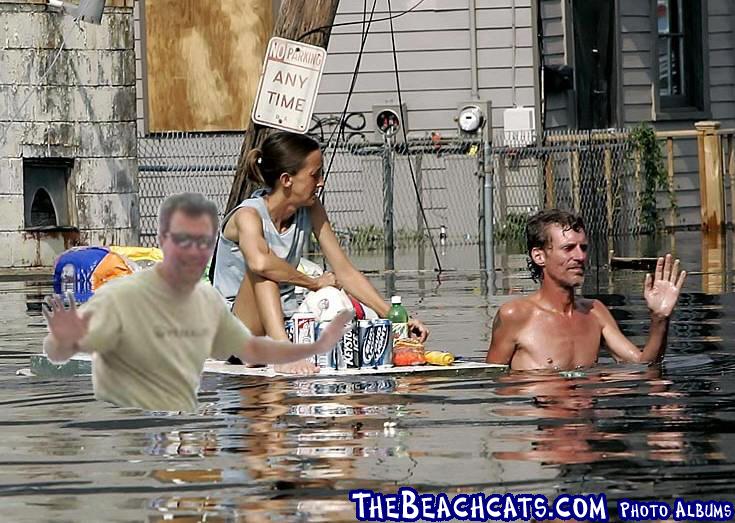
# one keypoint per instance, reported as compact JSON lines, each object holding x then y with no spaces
{"x":369,"y":343}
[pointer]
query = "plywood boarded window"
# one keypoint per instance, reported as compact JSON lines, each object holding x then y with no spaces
{"x":203,"y":62}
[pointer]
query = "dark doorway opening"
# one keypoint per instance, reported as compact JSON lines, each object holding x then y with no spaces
{"x":43,"y":213}
{"x":594,"y":56}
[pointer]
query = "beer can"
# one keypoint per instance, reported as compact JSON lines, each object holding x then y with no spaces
{"x":384,"y":343}
{"x":375,"y":343}
{"x":348,"y":350}
{"x":321,"y":360}
{"x":304,"y":327}
{"x":345,"y":355}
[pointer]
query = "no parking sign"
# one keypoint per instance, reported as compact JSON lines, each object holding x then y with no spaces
{"x":289,"y":84}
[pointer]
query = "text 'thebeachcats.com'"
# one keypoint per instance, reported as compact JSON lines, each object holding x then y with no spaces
{"x":409,"y":505}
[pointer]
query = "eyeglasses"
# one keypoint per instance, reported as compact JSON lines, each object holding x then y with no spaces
{"x":186,"y":240}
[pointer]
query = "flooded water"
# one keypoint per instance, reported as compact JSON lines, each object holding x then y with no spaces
{"x":291,"y":449}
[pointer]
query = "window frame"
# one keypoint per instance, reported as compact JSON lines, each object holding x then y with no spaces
{"x":688,"y":106}
{"x":66,"y":166}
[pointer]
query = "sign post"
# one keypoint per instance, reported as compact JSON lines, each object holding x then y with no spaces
{"x":289,"y":84}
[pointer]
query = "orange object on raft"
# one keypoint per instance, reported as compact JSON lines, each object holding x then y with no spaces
{"x":409,"y":352}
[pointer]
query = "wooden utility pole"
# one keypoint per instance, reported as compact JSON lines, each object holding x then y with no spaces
{"x":296,"y":19}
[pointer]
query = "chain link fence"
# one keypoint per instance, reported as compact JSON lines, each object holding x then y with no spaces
{"x":437,"y":184}
{"x":183,"y":162}
{"x":593,"y":174}
{"x":435,"y":192}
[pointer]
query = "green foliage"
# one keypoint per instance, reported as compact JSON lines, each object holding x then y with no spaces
{"x":370,"y":238}
{"x":366,"y":237}
{"x":513,"y":229}
{"x":655,"y":177}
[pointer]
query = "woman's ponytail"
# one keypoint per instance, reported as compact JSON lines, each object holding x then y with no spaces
{"x":253,"y":175}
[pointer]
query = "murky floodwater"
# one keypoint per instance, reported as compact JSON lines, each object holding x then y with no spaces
{"x":291,"y":449}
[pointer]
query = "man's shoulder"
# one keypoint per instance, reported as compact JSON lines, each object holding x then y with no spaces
{"x":595,"y":307}
{"x":518,"y":309}
{"x":590,"y":304}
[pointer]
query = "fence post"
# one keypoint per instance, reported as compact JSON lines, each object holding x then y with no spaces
{"x":576,"y":183}
{"x":670,"y":173}
{"x":713,"y":262}
{"x":731,"y":175}
{"x":388,"y":244}
{"x":712,"y":198}
{"x":419,"y":216}
{"x":500,"y":183}
{"x":550,"y":202}
{"x":487,"y":193}
{"x":609,"y":189}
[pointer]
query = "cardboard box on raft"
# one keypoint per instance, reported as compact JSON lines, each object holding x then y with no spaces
{"x":82,"y":364}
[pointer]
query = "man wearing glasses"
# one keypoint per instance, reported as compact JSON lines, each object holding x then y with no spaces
{"x":150,"y":333}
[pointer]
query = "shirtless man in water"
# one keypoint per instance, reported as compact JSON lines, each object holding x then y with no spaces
{"x":553,"y":328}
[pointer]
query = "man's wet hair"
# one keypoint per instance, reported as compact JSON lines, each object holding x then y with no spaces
{"x":537,"y":235}
{"x":191,"y":204}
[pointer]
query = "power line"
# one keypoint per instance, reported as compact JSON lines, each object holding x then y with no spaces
{"x":405,"y":140}
{"x":365,"y":32}
{"x":342,"y":24}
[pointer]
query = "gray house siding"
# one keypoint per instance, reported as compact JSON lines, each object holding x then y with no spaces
{"x":722,"y":60}
{"x":433,"y":55}
{"x":637,"y":79}
{"x":140,"y":87}
{"x":433,"y":48}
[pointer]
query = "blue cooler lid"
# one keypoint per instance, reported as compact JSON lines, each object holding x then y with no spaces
{"x":73,"y":270}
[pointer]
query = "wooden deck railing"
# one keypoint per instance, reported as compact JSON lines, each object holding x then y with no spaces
{"x":713,"y":167}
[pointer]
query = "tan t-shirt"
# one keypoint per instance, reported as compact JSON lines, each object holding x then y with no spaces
{"x":149,"y":342}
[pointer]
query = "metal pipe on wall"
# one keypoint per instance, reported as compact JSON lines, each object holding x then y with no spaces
{"x":388,"y":243}
{"x":474,"y":79}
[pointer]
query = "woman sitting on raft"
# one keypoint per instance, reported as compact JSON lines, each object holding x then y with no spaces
{"x":262,"y":240}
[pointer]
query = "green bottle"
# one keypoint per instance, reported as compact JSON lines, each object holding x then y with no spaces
{"x":398,"y":317}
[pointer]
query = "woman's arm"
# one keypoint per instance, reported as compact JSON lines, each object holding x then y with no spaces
{"x":352,"y":280}
{"x":260,"y":258}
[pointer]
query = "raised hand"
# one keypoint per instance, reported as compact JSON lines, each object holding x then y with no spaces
{"x":67,"y":326}
{"x":330,"y":336}
{"x":662,"y":289}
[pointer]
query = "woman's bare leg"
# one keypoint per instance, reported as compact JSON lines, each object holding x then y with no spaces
{"x":258,"y":306}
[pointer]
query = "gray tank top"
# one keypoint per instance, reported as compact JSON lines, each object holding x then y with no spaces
{"x":230,"y":266}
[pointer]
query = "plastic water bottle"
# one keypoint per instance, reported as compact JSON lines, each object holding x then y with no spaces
{"x":68,"y":279}
{"x":398,"y":317}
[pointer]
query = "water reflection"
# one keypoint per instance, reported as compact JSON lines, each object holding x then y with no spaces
{"x":291,"y":449}
{"x":581,"y":404}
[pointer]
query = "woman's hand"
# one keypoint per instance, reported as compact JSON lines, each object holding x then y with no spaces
{"x":418,"y":330}
{"x":328,"y":279}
